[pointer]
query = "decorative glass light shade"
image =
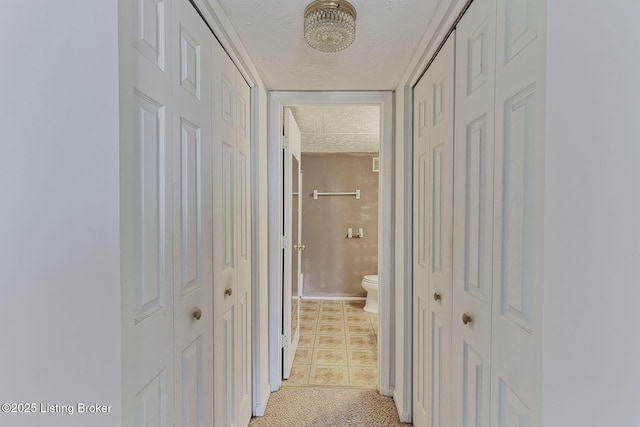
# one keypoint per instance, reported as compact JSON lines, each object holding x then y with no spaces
{"x":330,"y":26}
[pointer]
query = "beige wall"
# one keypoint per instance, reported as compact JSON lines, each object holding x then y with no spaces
{"x":333,"y":265}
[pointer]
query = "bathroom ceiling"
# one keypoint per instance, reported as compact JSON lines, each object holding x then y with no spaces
{"x":387,"y":34}
{"x":335,"y":129}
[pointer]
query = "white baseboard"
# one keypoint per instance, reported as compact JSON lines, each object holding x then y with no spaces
{"x":405,"y":416}
{"x":335,"y":298}
{"x":262,"y":406}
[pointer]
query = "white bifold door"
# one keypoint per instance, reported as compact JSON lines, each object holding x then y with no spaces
{"x":477,"y":337}
{"x":433,"y":230}
{"x":498,"y":215}
{"x":166,"y":160}
{"x":181,"y":180}
{"x":473,"y":215}
{"x":232,"y":242}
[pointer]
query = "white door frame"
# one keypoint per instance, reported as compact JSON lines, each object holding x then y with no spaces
{"x":277,"y":102}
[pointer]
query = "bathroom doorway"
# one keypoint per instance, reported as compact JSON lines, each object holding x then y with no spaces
{"x":346,"y":235}
{"x":338,"y":246}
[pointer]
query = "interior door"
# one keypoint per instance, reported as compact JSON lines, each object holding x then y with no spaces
{"x":192,"y":213}
{"x":516,"y":374}
{"x":232,"y":242}
{"x":473,"y":214}
{"x":440,"y":223}
{"x":433,"y":256}
{"x":225,"y":286}
{"x":243,"y":221}
{"x":146,"y":60}
{"x":292,"y":255}
{"x":421,"y":111}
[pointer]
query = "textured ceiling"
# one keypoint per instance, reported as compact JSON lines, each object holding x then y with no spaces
{"x":334,"y":129}
{"x":387,"y":34}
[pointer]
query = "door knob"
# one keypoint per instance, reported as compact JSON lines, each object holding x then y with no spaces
{"x":228,"y":292}
{"x":303,"y":247}
{"x":197,"y":314}
{"x":295,"y":247}
{"x":466,"y":319}
{"x":437,"y":297}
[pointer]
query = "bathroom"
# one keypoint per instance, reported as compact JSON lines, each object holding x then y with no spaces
{"x":340,"y":188}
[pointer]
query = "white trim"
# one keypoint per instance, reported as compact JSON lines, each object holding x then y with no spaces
{"x":405,"y":415}
{"x":446,"y":15}
{"x":219,"y":22}
{"x":261,"y":406}
{"x":404,"y":332}
{"x":277,"y":102}
{"x":255,"y":255}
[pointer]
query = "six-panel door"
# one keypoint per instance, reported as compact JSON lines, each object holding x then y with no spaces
{"x":182,"y":179}
{"x":473,"y":215}
{"x":433,"y":231}
{"x":232,"y":243}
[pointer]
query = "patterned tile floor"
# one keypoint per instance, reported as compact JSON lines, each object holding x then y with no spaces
{"x":338,"y":345}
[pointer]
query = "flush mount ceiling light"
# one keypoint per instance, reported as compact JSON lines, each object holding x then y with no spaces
{"x":330,"y":26}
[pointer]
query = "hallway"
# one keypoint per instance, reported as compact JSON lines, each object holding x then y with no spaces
{"x":333,"y":380}
{"x":99,"y":226}
{"x":328,"y":407}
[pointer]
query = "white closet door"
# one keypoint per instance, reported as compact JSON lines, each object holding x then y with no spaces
{"x":243,"y":215}
{"x":440,"y":223}
{"x":232,"y":242}
{"x":473,"y":214}
{"x":192,"y":216}
{"x":225,"y":290}
{"x":433,"y":181}
{"x":421,"y":111}
{"x":146,"y":154}
{"x":518,"y":209}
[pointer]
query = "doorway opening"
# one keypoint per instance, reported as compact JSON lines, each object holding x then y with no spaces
{"x":327,"y":305}
{"x":330,"y":313}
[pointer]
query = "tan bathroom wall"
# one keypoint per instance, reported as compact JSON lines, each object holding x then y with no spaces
{"x":333,"y":265}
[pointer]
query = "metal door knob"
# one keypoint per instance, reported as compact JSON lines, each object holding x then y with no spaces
{"x":466,"y":319}
{"x":228,"y":292}
{"x":437,"y":297}
{"x":197,"y":314}
{"x":303,"y":247}
{"x":295,"y":247}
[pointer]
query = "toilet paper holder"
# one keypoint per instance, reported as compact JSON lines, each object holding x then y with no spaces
{"x":351,"y":235}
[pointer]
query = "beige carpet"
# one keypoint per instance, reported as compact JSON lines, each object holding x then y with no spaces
{"x":328,"y":407}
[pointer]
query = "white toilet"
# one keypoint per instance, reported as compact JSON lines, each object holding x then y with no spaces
{"x":370,"y":284}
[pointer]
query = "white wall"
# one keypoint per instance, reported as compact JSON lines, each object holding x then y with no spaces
{"x":591,"y":338}
{"x":59,"y":203}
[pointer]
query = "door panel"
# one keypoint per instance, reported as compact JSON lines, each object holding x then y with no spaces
{"x":146,"y":158}
{"x":232,"y":242}
{"x":192,"y":243}
{"x":243,"y":253}
{"x":473,"y":214}
{"x":292,"y":226}
{"x":440,"y":220}
{"x":518,"y":215}
{"x":433,"y":228}
{"x":421,"y":234}
{"x":186,"y":201}
{"x":225,"y":290}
